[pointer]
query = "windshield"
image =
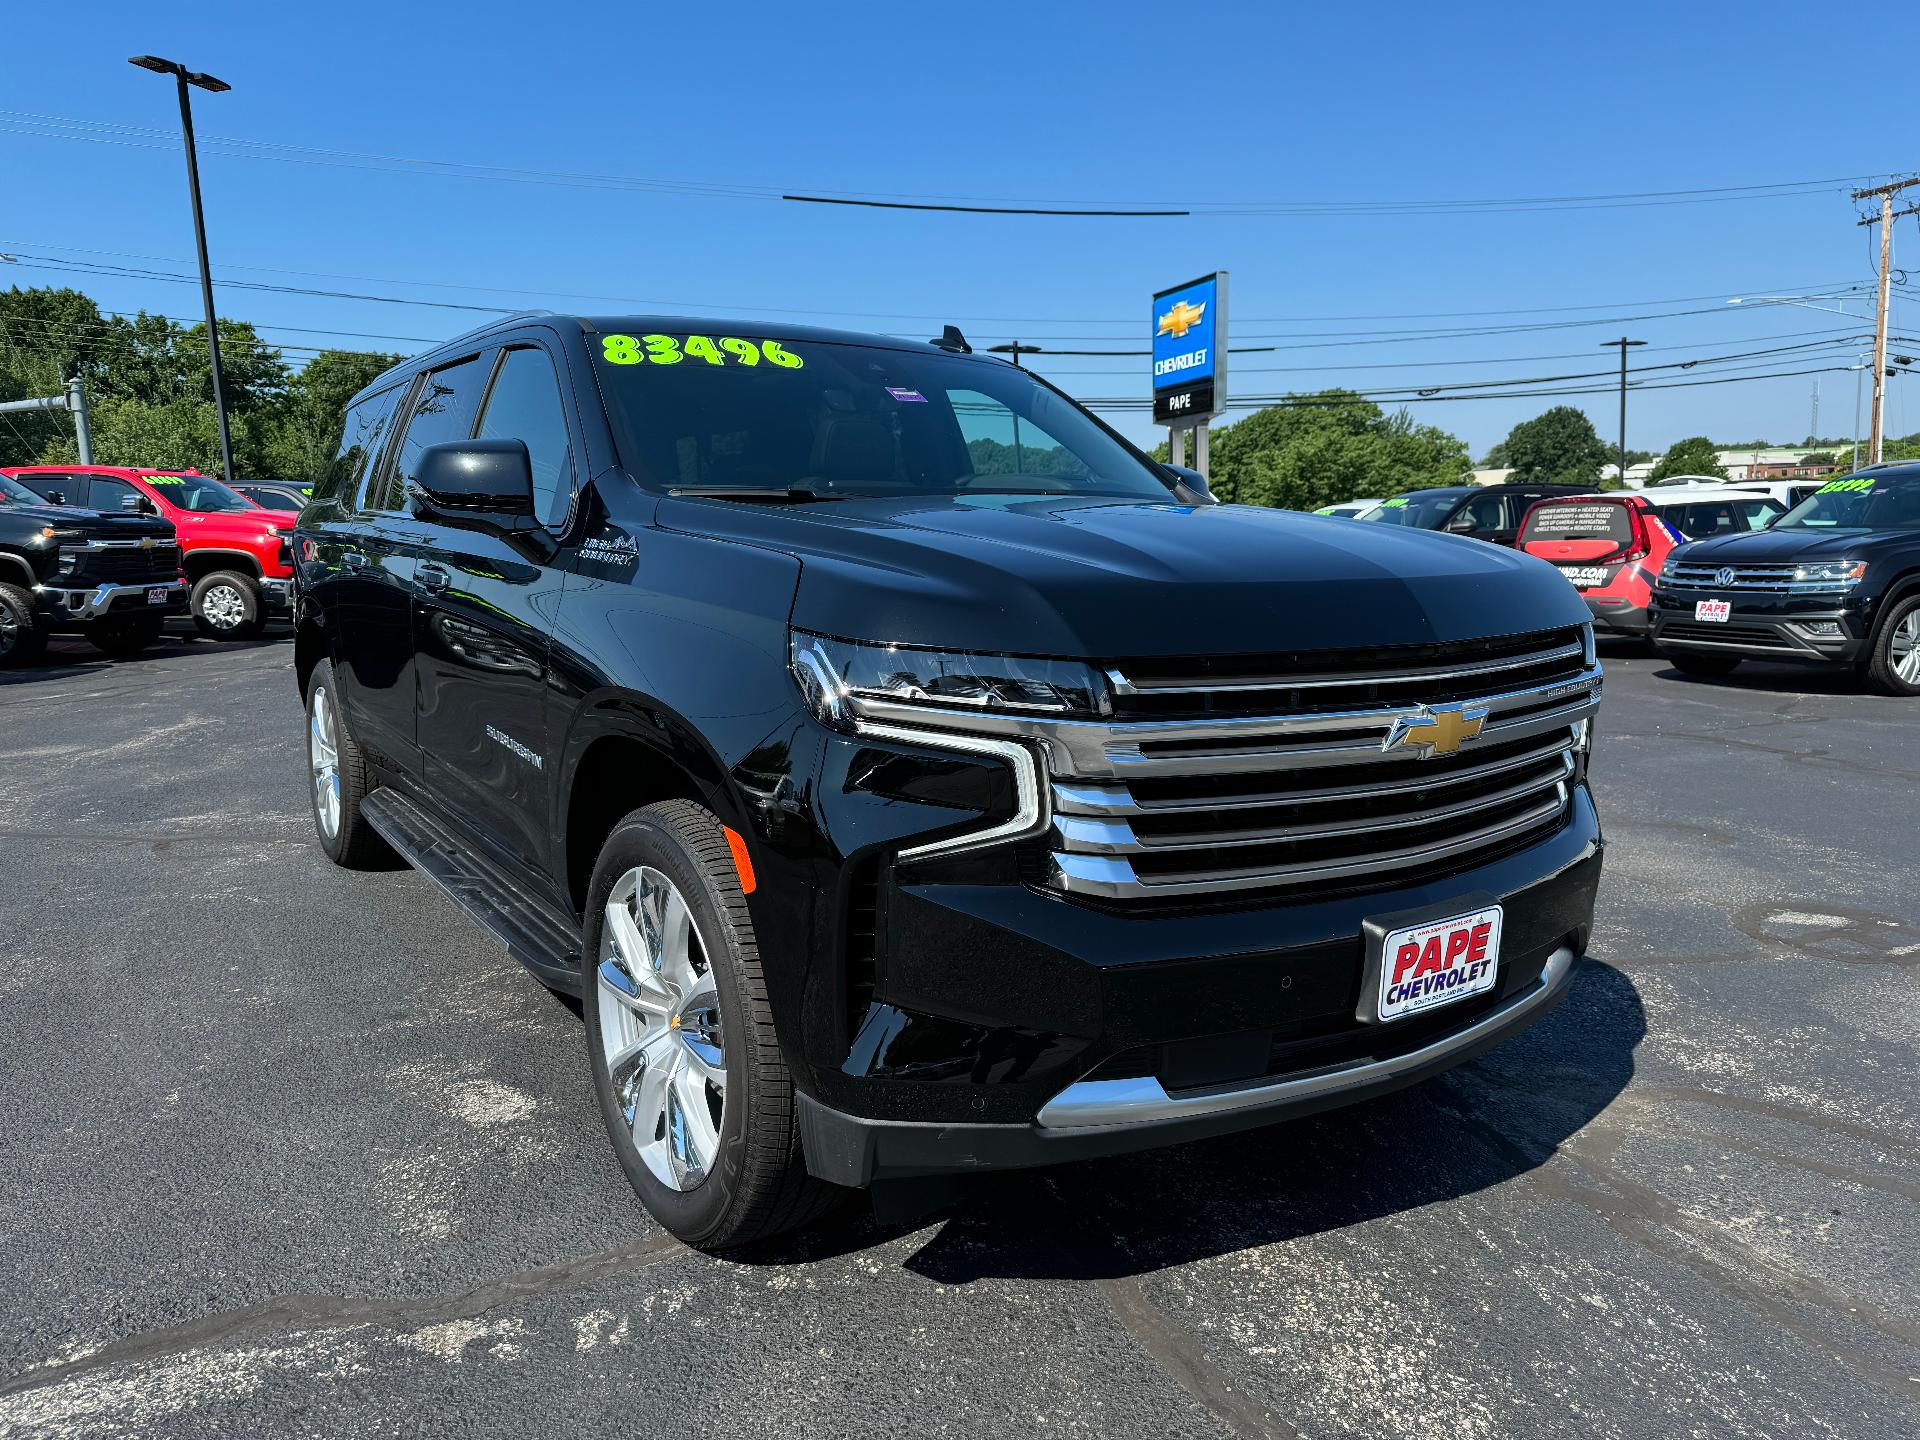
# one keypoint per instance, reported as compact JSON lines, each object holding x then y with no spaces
{"x":201,"y":494}
{"x":1859,"y":502}
{"x":701,"y":412}
{"x":12,"y":490}
{"x":1424,"y":512}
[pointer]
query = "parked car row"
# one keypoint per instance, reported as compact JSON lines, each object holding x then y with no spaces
{"x":109,"y":552}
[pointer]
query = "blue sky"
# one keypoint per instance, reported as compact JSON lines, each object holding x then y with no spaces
{"x":1035,"y":103}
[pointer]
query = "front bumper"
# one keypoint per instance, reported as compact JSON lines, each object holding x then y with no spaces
{"x":276,"y":595}
{"x":82,"y":605}
{"x":1108,"y":1117}
{"x":1794,"y":629}
{"x":1012,"y":1026}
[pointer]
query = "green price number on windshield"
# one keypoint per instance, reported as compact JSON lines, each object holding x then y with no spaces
{"x":1846,"y":487}
{"x":671,"y":350}
{"x":1395,"y":504}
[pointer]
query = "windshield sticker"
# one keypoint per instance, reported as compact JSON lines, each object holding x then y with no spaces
{"x":1394,"y":504}
{"x":906,"y":397}
{"x":672,"y":349}
{"x":1846,"y":487}
{"x":166,"y":479}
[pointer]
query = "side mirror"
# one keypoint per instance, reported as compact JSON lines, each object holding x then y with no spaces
{"x":487,"y":481}
{"x":136,"y":504}
{"x":56,"y":497}
{"x":1191,"y":484}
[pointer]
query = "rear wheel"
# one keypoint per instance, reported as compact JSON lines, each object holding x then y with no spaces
{"x":1893,"y":665}
{"x":692,"y":1086}
{"x":226,"y":606}
{"x":1705,"y":665}
{"x":337,"y":780}
{"x":126,"y":637}
{"x":23,"y":635}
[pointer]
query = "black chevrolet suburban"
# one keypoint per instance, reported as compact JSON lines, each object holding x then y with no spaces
{"x":1835,"y":582}
{"x":112,"y":578}
{"x":910,"y":776}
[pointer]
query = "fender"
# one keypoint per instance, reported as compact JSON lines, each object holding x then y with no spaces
{"x":189,"y":558}
{"x":7,"y":562}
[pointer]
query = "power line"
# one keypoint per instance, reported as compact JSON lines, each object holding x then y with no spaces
{"x":105,"y":132}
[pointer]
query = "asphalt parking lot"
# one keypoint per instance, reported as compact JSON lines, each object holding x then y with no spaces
{"x":287,"y":1150}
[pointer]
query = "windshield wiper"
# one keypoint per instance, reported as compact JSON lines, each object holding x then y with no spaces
{"x":792,"y":494}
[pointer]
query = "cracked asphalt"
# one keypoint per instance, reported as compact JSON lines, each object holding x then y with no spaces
{"x":295,"y":1152}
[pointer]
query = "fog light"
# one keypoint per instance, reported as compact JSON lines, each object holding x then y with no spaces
{"x":1825,"y":629}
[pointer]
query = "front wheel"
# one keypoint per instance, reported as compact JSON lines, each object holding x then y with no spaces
{"x":23,"y":634}
{"x":693,"y":1089}
{"x":125,"y":637}
{"x":1893,"y":665}
{"x":226,"y":606}
{"x":1706,"y":666}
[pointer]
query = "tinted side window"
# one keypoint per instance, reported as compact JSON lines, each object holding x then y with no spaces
{"x":70,"y":489}
{"x":106,"y":493}
{"x":1481,"y":513}
{"x":525,"y":404}
{"x":441,"y":409}
{"x":362,"y":431}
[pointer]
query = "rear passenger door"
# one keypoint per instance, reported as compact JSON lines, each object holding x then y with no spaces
{"x":482,"y":618}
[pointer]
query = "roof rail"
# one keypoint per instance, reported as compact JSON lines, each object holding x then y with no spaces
{"x":493,"y":324}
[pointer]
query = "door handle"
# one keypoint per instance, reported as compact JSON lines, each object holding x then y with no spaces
{"x":434,"y":579}
{"x":353,"y":560}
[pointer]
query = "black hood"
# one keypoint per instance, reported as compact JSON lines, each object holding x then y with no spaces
{"x":94,"y":524}
{"x":1780,"y":546}
{"x":1110,"y":578}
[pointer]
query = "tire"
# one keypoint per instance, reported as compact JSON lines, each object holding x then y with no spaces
{"x":23,"y":634}
{"x":714,"y":1185}
{"x":341,"y":829}
{"x":226,"y":606}
{"x":126,"y":637}
{"x":1893,"y":664}
{"x":1706,"y":666}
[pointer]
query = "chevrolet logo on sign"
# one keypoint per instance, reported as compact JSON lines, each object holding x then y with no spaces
{"x":1182,"y":318}
{"x":1431,"y":731}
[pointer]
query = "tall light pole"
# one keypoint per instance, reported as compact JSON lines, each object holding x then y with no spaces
{"x":1624,"y":343}
{"x":184,"y":77}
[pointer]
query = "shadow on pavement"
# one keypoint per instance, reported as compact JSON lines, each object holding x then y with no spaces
{"x":1135,"y":1214}
{"x":1760,"y":675}
{"x":70,"y":655}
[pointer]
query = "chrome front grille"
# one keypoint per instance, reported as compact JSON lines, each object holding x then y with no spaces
{"x":1278,"y":773}
{"x":1764,"y":579}
{"x":127,"y":560}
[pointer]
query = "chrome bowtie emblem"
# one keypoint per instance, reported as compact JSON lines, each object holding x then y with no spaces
{"x":1723,"y":577}
{"x":1435,"y":730}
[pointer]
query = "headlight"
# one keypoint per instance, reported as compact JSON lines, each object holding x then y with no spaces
{"x":1831,"y":574}
{"x":836,"y":676}
{"x":1588,"y":655}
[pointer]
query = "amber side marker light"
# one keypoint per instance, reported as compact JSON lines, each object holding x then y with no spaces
{"x":742,"y":862}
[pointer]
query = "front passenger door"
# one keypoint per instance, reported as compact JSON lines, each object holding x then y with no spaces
{"x":481,"y":624}
{"x":1485,"y":517}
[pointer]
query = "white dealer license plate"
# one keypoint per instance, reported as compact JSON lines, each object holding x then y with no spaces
{"x":1439,"y":962}
{"x":157,"y":595}
{"x":1714,"y":611}
{"x":1585,"y":575}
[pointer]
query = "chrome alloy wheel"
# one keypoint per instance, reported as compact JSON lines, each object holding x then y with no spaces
{"x":324,"y":759}
{"x":660,"y":1028}
{"x":1906,"y":648}
{"x":224,"y":607}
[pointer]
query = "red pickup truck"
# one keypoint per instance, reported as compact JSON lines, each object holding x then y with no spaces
{"x":234,"y":553}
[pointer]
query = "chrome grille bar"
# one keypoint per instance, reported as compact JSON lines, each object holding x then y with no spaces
{"x":1181,"y":685}
{"x":1777,"y":579}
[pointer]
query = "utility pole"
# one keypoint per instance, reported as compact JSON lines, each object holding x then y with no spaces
{"x":74,"y":402}
{"x":1876,"y":435}
{"x":1625,"y":344}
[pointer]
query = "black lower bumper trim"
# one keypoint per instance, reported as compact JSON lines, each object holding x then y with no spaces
{"x":855,"y":1151}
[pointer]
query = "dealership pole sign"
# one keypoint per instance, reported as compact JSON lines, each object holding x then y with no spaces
{"x":1190,"y":352}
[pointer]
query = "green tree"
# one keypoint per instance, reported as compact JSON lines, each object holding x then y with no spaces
{"x":302,"y":430}
{"x":1327,"y":447}
{"x":1558,"y":447}
{"x":1696,"y":455}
